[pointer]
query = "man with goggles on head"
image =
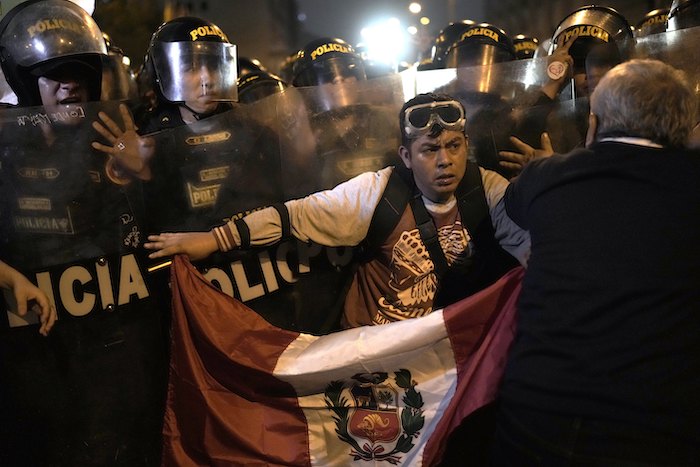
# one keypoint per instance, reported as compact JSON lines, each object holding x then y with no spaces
{"x":435,"y":225}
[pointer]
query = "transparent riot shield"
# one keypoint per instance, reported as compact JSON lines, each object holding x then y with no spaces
{"x":677,"y":48}
{"x":91,"y":393}
{"x":333,"y":132}
{"x":209,"y":171}
{"x":222,"y":168}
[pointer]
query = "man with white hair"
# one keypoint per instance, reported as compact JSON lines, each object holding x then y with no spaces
{"x":605,"y":368}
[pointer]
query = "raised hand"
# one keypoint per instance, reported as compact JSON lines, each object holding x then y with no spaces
{"x":130,"y":151}
{"x":560,"y":67}
{"x":516,"y":160}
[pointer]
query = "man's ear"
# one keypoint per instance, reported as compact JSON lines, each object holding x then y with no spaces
{"x":405,"y":156}
{"x":592,"y":128}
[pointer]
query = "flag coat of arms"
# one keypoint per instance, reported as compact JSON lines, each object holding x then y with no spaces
{"x":244,"y":392}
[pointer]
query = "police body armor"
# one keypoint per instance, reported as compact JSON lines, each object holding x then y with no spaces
{"x":211,"y":170}
{"x":92,"y":392}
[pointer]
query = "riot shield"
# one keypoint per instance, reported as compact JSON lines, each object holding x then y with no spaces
{"x":211,"y":170}
{"x":222,"y":168}
{"x":333,"y":132}
{"x":92,"y":392}
{"x":677,"y":48}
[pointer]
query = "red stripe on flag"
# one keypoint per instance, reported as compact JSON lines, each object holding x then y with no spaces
{"x":481,"y":328}
{"x":224,"y":407}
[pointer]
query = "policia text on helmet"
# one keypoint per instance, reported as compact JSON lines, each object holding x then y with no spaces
{"x":193,"y":65}
{"x":327,"y":60}
{"x":51,"y":40}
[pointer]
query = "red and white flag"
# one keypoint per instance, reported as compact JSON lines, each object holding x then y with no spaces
{"x":244,"y":392}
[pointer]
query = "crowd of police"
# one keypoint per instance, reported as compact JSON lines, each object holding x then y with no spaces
{"x":94,"y":157}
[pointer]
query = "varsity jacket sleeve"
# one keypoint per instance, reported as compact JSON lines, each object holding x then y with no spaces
{"x":337,"y":217}
{"x":509,"y":235}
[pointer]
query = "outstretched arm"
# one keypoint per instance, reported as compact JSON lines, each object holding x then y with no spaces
{"x":27,"y":295}
{"x":338,"y":217}
{"x":196,"y":245}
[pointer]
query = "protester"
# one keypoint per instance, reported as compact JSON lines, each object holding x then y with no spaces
{"x":606,"y":359}
{"x":431,"y":252}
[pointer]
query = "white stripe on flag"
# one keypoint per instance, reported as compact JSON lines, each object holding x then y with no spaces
{"x":419,"y":346}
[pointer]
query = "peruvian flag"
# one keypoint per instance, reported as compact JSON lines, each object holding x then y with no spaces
{"x":244,"y":392}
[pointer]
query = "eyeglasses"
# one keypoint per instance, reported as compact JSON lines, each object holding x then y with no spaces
{"x":421,"y":117}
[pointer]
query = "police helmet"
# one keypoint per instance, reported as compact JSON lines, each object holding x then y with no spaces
{"x":257,"y":85}
{"x":287,"y":66}
{"x":595,"y":27}
{"x":188,"y":44}
{"x":683,"y":14}
{"x":326,"y":60}
{"x":118,"y":79}
{"x":445,"y":38}
{"x":40,"y":37}
{"x":479,"y":45}
{"x":653,"y":22}
{"x":525,"y":46}
{"x":249,"y":65}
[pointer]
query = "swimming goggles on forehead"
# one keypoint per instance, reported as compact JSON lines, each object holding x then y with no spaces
{"x":420,"y":118}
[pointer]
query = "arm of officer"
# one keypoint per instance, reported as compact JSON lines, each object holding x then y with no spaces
{"x":337,"y":217}
{"x":509,"y":235}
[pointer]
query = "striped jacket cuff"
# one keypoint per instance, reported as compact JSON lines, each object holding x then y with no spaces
{"x":224,"y":238}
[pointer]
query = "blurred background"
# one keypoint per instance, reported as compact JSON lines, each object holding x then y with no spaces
{"x":394,"y":31}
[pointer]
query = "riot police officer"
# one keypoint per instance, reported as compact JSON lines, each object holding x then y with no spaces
{"x":92,"y":393}
{"x":598,"y":38}
{"x":351,"y":118}
{"x":193,"y":66}
{"x":585,"y":45}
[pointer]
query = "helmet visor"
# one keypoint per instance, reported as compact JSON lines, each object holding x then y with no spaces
{"x":420,"y":118}
{"x":191,"y":71}
{"x":331,"y":71}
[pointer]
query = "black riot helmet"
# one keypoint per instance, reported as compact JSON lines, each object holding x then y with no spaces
{"x":683,"y":14}
{"x":480,"y":45}
{"x":327,"y":60}
{"x":41,"y":37}
{"x":189,"y":47}
{"x":597,"y":28}
{"x":287,"y":67}
{"x":525,"y":46}
{"x":653,"y":22}
{"x":445,"y":38}
{"x":118,"y":80}
{"x":249,"y":65}
{"x":256,"y":85}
